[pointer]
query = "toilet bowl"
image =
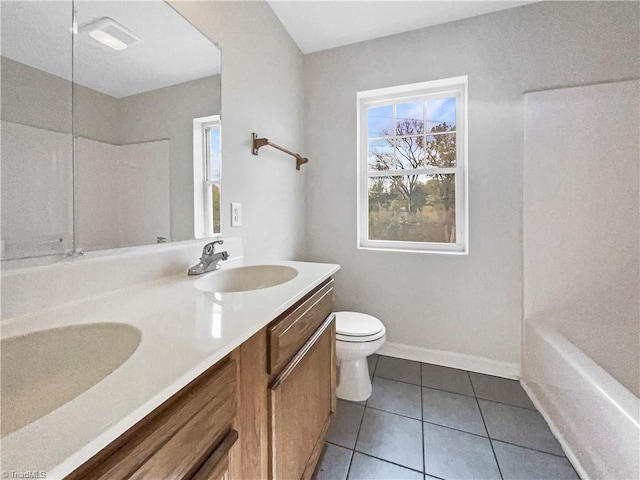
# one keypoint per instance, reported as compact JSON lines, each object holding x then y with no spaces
{"x":357,"y":336}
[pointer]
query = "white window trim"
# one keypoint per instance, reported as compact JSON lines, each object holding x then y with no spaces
{"x":202,"y":208}
{"x":394,"y":95}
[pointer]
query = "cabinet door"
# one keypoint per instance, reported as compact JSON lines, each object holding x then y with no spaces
{"x":302,"y":402}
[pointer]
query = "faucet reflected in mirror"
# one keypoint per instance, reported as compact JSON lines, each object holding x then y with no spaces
{"x":210,"y":260}
{"x":97,"y":145}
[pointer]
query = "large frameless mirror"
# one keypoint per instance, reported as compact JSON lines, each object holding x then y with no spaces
{"x":110,"y":127}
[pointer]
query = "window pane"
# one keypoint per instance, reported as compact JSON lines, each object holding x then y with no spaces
{"x":410,"y":152}
{"x":214,"y":168}
{"x":214,"y":139}
{"x":441,"y":115}
{"x":380,"y":155}
{"x":413,"y":208}
{"x":441,"y":151}
{"x":215,"y":203}
{"x":380,"y":121}
{"x":409,"y":118}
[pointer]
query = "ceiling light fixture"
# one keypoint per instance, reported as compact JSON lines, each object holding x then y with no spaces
{"x":110,"y":33}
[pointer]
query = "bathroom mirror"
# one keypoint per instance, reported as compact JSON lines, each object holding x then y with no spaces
{"x":110,"y":127}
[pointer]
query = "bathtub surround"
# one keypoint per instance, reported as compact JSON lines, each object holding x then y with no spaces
{"x":133,"y":205}
{"x":126,"y":187}
{"x":581,"y":272}
{"x":462,"y":311}
{"x":43,"y":226}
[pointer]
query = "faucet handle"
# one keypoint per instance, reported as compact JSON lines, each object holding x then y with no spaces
{"x":210,"y":248}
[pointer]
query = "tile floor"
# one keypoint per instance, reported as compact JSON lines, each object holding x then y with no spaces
{"x":425,"y":421}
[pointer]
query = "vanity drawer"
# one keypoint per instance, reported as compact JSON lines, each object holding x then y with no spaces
{"x":178,"y":438}
{"x":294,"y":328}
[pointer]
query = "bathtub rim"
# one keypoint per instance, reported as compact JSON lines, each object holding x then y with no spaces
{"x":598,"y":378}
{"x":623,"y":398}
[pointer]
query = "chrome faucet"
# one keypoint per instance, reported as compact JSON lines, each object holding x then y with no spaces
{"x":209,"y":261}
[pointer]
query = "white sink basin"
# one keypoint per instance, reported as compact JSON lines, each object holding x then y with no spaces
{"x":243,"y":279}
{"x":41,"y":371}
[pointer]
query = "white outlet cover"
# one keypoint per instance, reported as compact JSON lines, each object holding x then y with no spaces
{"x":236,"y":214}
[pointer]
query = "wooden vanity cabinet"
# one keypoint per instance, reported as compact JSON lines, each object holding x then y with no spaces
{"x":259,"y":414}
{"x":286,"y":395}
{"x":181,"y":439}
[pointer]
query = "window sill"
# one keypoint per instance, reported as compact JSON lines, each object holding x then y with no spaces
{"x":414,"y":250}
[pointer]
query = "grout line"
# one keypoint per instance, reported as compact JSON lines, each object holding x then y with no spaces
{"x":493,"y":450}
{"x":338,"y":445}
{"x":457,"y":393}
{"x":375,"y":366}
{"x":399,"y":381}
{"x":455,"y":429}
{"x":508,"y":404}
{"x":395,"y":413}
{"x":529,"y":448}
{"x":392,"y":463}
{"x":355,"y":444}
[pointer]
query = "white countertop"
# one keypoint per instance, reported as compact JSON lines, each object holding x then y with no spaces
{"x":184,"y":332}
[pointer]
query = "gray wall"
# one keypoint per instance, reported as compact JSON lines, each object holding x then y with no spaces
{"x":468,"y":305}
{"x":262,"y":92}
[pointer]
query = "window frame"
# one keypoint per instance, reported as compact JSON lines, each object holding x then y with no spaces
{"x":450,"y":87}
{"x":202,"y":186}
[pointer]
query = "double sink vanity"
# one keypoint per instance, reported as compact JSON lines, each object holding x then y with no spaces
{"x":230,"y":374}
{"x":116,"y":363}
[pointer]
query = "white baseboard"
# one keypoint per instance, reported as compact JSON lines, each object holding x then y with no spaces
{"x":452,"y":359}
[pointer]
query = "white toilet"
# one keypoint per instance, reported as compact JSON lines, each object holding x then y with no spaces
{"x":357,"y":336}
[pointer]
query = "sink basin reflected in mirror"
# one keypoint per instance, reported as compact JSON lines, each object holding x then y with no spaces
{"x":41,"y":371}
{"x":243,"y":279}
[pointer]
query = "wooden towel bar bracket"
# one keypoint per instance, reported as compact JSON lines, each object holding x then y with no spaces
{"x":261,"y":142}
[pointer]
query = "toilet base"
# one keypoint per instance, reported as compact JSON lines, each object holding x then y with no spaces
{"x":353,"y":382}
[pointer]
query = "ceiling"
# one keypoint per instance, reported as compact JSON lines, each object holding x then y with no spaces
{"x":320,"y":25}
{"x":171,"y":50}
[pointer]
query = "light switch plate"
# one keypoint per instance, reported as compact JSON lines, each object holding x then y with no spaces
{"x":236,"y":214}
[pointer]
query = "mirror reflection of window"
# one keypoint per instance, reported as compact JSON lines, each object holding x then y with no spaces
{"x":212,"y":184}
{"x":207,"y":159}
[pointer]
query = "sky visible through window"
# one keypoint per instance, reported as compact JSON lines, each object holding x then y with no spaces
{"x":214,"y":148}
{"x":438,"y":111}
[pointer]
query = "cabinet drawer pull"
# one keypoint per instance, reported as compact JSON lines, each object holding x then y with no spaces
{"x":303,"y":351}
{"x":293,"y":329}
{"x":210,"y":467}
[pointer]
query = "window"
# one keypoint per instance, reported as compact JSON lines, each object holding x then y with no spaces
{"x":207,"y":159}
{"x":412,"y":182}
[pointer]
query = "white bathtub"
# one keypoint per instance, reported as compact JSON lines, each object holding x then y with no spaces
{"x":584,"y":377}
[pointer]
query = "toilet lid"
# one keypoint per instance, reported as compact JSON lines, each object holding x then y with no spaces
{"x":355,"y":324}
